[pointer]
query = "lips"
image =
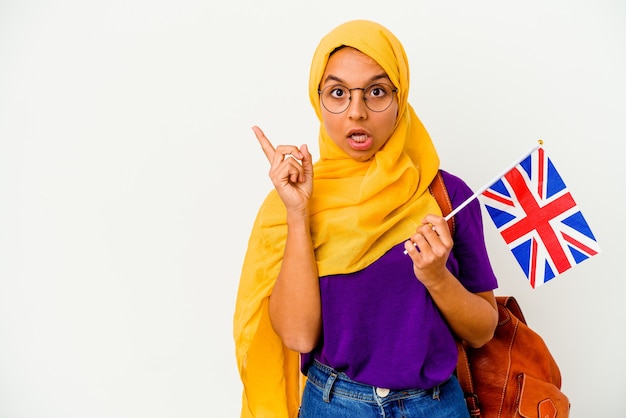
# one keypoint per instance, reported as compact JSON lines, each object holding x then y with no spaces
{"x":359,"y":139}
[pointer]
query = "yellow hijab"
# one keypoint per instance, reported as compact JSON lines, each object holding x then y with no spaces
{"x":359,"y":210}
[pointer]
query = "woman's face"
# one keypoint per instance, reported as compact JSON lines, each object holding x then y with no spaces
{"x":358,"y":131}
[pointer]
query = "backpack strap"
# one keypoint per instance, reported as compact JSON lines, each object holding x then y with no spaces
{"x":438,"y":189}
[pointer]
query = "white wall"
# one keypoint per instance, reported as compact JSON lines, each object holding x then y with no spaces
{"x":129,"y":179}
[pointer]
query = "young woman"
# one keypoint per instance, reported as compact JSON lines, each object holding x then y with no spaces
{"x":351,"y":275}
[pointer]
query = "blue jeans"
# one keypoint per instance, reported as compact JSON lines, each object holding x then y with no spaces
{"x":333,"y":395}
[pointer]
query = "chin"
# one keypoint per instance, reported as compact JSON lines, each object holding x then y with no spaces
{"x":362,"y":158}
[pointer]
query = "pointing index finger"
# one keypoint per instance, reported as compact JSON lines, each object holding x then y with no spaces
{"x":266,"y":145}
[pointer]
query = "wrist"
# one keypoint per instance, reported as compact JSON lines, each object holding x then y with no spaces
{"x":300,"y":216}
{"x":439,"y":283}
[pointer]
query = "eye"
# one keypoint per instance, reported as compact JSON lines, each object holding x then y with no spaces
{"x":378,"y":91}
{"x":338,"y":92}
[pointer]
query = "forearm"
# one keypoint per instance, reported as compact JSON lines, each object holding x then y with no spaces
{"x":294,"y":305}
{"x":471,"y":316}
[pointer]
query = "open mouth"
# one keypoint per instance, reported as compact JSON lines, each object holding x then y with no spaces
{"x":359,"y":138}
{"x":360,"y":141}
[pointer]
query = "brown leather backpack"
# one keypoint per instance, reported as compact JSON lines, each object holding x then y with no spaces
{"x":513,"y":375}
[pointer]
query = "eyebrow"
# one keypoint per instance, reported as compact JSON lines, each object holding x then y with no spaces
{"x":371,"y":80}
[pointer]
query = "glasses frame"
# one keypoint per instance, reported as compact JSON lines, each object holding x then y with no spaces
{"x":363,"y":89}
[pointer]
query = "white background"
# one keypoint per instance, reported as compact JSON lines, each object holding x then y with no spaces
{"x":129,"y":179}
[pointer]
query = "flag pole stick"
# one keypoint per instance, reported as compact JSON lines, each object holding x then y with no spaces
{"x":488,"y":185}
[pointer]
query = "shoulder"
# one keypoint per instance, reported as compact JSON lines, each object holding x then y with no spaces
{"x":456,"y":187}
{"x":469,"y":251}
{"x":469,"y":220}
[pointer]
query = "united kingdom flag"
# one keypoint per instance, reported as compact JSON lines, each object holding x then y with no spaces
{"x":539,"y":220}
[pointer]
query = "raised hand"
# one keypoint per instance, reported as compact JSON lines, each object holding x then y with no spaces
{"x":291,"y":172}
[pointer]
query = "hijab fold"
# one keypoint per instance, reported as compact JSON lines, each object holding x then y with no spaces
{"x":359,"y":210}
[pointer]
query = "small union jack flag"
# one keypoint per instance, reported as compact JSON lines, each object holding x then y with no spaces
{"x":538,"y":219}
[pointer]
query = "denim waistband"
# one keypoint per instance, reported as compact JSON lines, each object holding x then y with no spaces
{"x":337,"y":383}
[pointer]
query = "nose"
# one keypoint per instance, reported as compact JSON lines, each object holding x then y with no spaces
{"x":356,"y":107}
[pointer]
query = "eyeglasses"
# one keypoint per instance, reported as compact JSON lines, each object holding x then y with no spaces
{"x":377,"y":97}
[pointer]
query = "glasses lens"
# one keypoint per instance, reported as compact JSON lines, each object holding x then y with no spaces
{"x":378,"y":97}
{"x":335,"y":98}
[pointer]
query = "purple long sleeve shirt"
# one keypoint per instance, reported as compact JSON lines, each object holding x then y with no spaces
{"x":380,"y":325}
